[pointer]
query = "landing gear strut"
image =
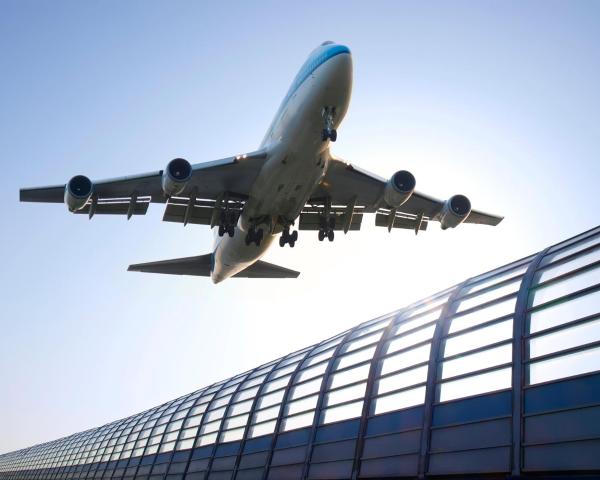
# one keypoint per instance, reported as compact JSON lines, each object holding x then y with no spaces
{"x":329,"y":132}
{"x":226,"y":225}
{"x":327,"y":229}
{"x":254,"y":235}
{"x":287,"y":237}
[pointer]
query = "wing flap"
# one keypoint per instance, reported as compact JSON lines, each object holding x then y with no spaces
{"x":408,"y":222}
{"x":312,"y":221}
{"x":115,"y":207}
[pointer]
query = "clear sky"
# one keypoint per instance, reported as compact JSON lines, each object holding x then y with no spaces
{"x":495,"y":100}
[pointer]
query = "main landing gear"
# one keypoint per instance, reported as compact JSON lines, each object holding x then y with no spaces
{"x":254,"y":235}
{"x":226,"y":224}
{"x":327,"y":229}
{"x":329,"y":132}
{"x":287,"y":237}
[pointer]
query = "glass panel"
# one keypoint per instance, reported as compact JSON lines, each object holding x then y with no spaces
{"x":475,"y":287}
{"x":361,"y":342}
{"x":349,"y":376}
{"x":262,"y":429}
{"x":266,"y":414}
{"x":241,"y":407}
{"x":564,"y":339}
{"x":491,"y":312}
{"x":276,"y":384}
{"x":234,"y":422}
{"x":371,"y":327}
{"x":417,"y":322}
{"x":343,"y":412}
{"x":211,"y":427}
{"x":488,"y":296}
{"x":297,"y":421}
{"x":354,"y":358}
{"x":500,"y":270}
{"x":189,"y":433}
{"x":206,"y":439}
{"x":402,"y":380}
{"x":246,"y":394}
{"x":220,"y":402}
{"x":270,"y":399}
{"x":305,"y":388}
{"x":428,"y":305}
{"x":406,"y":341}
{"x":232,"y":435}
{"x":405,"y":359}
{"x":398,"y":401}
{"x":477,"y":361}
{"x":192,"y":422}
{"x":566,"y":286}
{"x":214,"y":414}
{"x":562,"y":268}
{"x":301,"y":405}
{"x":345,"y":394}
{"x":466,"y":387}
{"x":478,"y":338}
{"x":565,"y":366}
{"x":318,"y":358}
{"x":311,"y":372}
{"x":565,"y":311}
{"x":591,"y":240}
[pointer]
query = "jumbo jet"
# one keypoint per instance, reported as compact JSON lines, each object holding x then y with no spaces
{"x":292,"y":182}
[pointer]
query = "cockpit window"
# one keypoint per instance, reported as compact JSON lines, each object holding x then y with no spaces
{"x":328,"y":42}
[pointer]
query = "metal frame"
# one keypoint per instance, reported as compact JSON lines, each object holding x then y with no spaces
{"x":441,"y":329}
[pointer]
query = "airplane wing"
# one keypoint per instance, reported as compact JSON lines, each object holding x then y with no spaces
{"x":352,"y":190}
{"x":211,"y":183}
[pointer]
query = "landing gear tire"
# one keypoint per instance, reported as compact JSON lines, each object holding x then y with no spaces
{"x":289,"y":238}
{"x":327,"y":134}
{"x":330,"y":235}
{"x":230,"y":230}
{"x":321,"y":235}
{"x":221,"y":230}
{"x":259,"y":237}
{"x":333,"y":135}
{"x":254,"y":236}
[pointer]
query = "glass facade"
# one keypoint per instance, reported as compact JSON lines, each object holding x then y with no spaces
{"x":497,"y":376}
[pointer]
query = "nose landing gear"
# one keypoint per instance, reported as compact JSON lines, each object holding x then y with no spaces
{"x":289,"y":238}
{"x":329,"y":132}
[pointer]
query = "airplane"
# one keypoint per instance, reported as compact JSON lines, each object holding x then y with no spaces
{"x":292,"y":180}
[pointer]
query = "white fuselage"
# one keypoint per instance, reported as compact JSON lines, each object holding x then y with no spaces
{"x":297,"y":158}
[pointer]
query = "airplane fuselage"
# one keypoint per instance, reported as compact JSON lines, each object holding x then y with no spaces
{"x":297,"y":158}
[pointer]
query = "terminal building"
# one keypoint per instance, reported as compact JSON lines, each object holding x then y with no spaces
{"x":496,"y":377}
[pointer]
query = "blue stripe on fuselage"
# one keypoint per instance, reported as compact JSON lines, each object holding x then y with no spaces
{"x":312,"y":64}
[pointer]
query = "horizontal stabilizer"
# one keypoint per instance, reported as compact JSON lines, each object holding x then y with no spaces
{"x":200,"y":266}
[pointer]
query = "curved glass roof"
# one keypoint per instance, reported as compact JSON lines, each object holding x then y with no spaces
{"x":391,"y":393}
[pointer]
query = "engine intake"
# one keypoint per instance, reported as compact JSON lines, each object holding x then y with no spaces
{"x":176,"y":176}
{"x":78,"y":191}
{"x":399,"y":188}
{"x":455,"y":211}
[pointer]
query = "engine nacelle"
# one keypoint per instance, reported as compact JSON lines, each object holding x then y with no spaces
{"x":455,"y":211}
{"x":176,"y":176}
{"x":78,"y":191}
{"x":399,"y":188}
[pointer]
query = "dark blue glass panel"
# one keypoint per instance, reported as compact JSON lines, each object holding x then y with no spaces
{"x":202,"y":452}
{"x":163,"y":457}
{"x":396,"y":421}
{"x":182,"y":456}
{"x":472,"y":409}
{"x":338,"y":431}
{"x":226,"y":449}
{"x":148,"y":460}
{"x":258,"y":444}
{"x":293,"y":438}
{"x":565,"y":394}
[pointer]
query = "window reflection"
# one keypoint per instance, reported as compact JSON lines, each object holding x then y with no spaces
{"x":478,"y":338}
{"x":405,"y":359}
{"x":555,"y":271}
{"x":476,"y":384}
{"x":405,"y":341}
{"x":565,"y":366}
{"x":343,"y":412}
{"x":564,"y":339}
{"x":477,"y":361}
{"x":398,"y":401}
{"x":402,"y":380}
{"x":566,"y":286}
{"x":488,"y":296}
{"x":485,"y":314}
{"x":565,"y":311}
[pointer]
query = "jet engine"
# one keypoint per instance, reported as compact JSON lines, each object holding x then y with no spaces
{"x":455,"y":211}
{"x":399,"y":188}
{"x":78,"y":191}
{"x":176,"y":176}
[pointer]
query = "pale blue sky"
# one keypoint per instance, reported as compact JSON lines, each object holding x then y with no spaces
{"x":496,"y":100}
